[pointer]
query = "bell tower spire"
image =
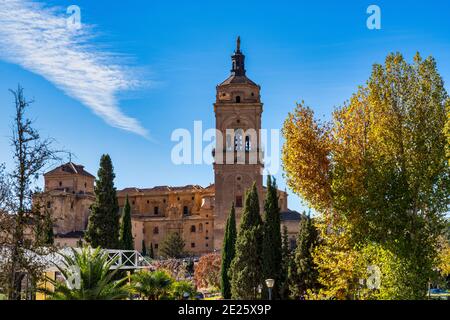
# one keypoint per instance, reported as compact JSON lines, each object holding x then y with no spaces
{"x":238,"y":67}
{"x":238,"y":153}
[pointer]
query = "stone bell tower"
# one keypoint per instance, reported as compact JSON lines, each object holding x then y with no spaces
{"x":237,"y":160}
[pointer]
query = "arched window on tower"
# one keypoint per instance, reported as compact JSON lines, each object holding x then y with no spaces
{"x":248,"y":145}
{"x":229,"y":143}
{"x":238,"y":203}
{"x":238,"y":140}
{"x":193,"y":229}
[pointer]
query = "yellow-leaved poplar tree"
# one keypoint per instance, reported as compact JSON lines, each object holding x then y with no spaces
{"x":378,"y":171}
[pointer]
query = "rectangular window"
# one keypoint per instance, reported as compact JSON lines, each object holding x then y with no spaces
{"x":155,"y":210}
{"x":193,"y":245}
{"x":156,"y":246}
{"x":238,"y":203}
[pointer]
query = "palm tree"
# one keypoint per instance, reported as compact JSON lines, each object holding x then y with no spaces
{"x":88,"y":276}
{"x":151,"y":285}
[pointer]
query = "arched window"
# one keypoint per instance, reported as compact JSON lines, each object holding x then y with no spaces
{"x":200,"y":227}
{"x":185,"y":210}
{"x":229,"y":143}
{"x":238,"y":203}
{"x":248,"y":145}
{"x":292,"y":243}
{"x":238,"y":140}
{"x":238,"y":99}
{"x":193,"y":229}
{"x":155,"y":230}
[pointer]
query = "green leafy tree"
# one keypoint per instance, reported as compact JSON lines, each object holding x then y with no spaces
{"x":303,"y":275}
{"x":379,"y":168}
{"x":172,"y":246}
{"x":271,"y":245}
{"x":104,"y":221}
{"x":88,"y":276}
{"x":126,"y":235}
{"x":246,"y":266}
{"x":228,"y":252}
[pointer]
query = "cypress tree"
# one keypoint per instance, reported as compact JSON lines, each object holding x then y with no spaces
{"x":126,"y":235}
{"x":152,"y":254}
{"x":303,"y":274}
{"x":245,"y":268}
{"x":286,"y":260}
{"x":228,"y":252}
{"x":285,"y":251}
{"x":144,"y":248}
{"x":271,"y":245}
{"x":103,"y":227}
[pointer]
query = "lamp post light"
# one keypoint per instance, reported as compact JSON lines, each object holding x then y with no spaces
{"x":270,"y":283}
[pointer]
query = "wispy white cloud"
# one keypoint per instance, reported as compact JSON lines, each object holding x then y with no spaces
{"x":37,"y":38}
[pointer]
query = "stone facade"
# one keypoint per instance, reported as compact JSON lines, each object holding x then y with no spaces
{"x":237,"y":165}
{"x":157,"y":211}
{"x":68,"y":194}
{"x":199,"y":214}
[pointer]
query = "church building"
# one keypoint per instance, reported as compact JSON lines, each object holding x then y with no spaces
{"x":197,"y":213}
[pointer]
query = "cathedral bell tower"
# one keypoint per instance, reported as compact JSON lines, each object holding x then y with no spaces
{"x":238,"y":155}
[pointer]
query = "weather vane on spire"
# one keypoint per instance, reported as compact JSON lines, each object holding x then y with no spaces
{"x":238,"y":44}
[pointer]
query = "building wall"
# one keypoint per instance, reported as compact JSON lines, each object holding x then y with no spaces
{"x":70,"y":212}
{"x":186,"y":210}
{"x":156,"y":212}
{"x":69,"y":182}
{"x":292,"y":227}
{"x":233,"y":178}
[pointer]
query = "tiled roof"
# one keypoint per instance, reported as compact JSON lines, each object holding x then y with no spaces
{"x":290,"y":215}
{"x":70,"y":168}
{"x":238,"y":79}
{"x":189,"y":187}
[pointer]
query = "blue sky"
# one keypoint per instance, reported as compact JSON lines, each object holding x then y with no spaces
{"x":150,"y":67}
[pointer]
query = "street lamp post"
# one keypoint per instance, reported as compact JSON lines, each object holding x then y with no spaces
{"x":270,"y":283}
